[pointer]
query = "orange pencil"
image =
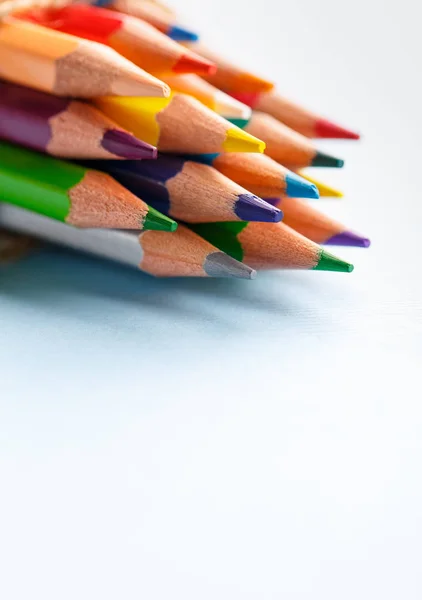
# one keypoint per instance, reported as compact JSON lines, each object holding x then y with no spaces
{"x":229,"y":77}
{"x":295,"y":116}
{"x":65,"y":65}
{"x":286,"y":146}
{"x":134,"y":39}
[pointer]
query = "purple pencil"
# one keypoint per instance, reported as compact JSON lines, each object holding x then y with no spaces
{"x":189,"y":191}
{"x":63,"y":127}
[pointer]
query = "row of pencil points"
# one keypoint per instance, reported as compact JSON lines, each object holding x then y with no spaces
{"x":216,"y":182}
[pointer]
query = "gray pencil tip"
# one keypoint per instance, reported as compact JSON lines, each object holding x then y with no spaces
{"x":218,"y":264}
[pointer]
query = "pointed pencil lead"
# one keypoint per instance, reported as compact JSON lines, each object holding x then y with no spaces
{"x":329,"y":262}
{"x":297,"y":187}
{"x":251,"y":208}
{"x":156,"y":221}
{"x":192,"y":63}
{"x":349,"y":238}
{"x":181,"y":34}
{"x":126,"y":145}
{"x":327,"y":129}
{"x":219,"y":264}
{"x":238,"y":140}
{"x":324,"y":190}
{"x":325,"y":160}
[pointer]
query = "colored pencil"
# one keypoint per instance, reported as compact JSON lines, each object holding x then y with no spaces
{"x":316,"y":226}
{"x":270,"y":246}
{"x":178,"y":254}
{"x":213,"y":98}
{"x":294,"y":116}
{"x":189,"y":191}
{"x":180,"y":124}
{"x":260,"y":174}
{"x":230,"y":77}
{"x":65,"y":65}
{"x":286,"y":146}
{"x":63,"y":127}
{"x":71,"y":193}
{"x":134,"y":39}
{"x":324,"y":189}
{"x":158,"y":16}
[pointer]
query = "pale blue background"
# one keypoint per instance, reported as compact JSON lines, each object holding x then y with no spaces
{"x":234,"y":440}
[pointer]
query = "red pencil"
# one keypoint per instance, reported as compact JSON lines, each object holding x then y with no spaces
{"x":132,"y":38}
{"x":295,"y":116}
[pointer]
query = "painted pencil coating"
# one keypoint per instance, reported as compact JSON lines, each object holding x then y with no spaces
{"x":270,"y":246}
{"x":178,"y":254}
{"x":134,"y":39}
{"x":286,"y":146}
{"x":317,"y":226}
{"x":263,"y":176}
{"x":295,"y":116}
{"x":70,"y":193}
{"x":156,"y":16}
{"x":63,"y":127}
{"x":65,"y":65}
{"x":229,"y":77}
{"x":179,"y":124}
{"x":189,"y":191}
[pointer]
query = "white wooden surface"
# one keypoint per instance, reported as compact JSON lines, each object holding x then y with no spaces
{"x":234,"y":440}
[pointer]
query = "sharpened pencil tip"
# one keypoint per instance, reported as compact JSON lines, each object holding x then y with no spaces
{"x":250,"y":83}
{"x":126,"y":145}
{"x":238,"y":140}
{"x":297,"y":187}
{"x":231,"y":109}
{"x":329,"y":262}
{"x":251,"y":208}
{"x":218,"y":264}
{"x":181,"y":34}
{"x":158,"y":222}
{"x":325,"y":160}
{"x":192,"y":63}
{"x":326,"y":129}
{"x":349,"y":238}
{"x":324,"y":189}
{"x":238,"y":121}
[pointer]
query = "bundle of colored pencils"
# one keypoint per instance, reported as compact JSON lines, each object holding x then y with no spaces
{"x":117,"y":140}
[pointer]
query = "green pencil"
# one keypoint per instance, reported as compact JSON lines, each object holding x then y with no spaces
{"x":73,"y":194}
{"x":269,"y":246}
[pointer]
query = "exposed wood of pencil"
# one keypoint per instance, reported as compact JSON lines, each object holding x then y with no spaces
{"x":189,"y":191}
{"x":154,"y":14}
{"x":317,"y":226}
{"x":213,"y":98}
{"x":65,"y":65}
{"x":181,"y":125}
{"x":229,"y":77}
{"x":178,"y":254}
{"x":287,"y":146}
{"x":63,"y":127}
{"x":296,"y":116}
{"x":131,"y":37}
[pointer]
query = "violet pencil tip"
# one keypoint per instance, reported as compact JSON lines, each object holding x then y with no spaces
{"x":251,"y":208}
{"x":127,"y":146}
{"x":349,"y":238}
